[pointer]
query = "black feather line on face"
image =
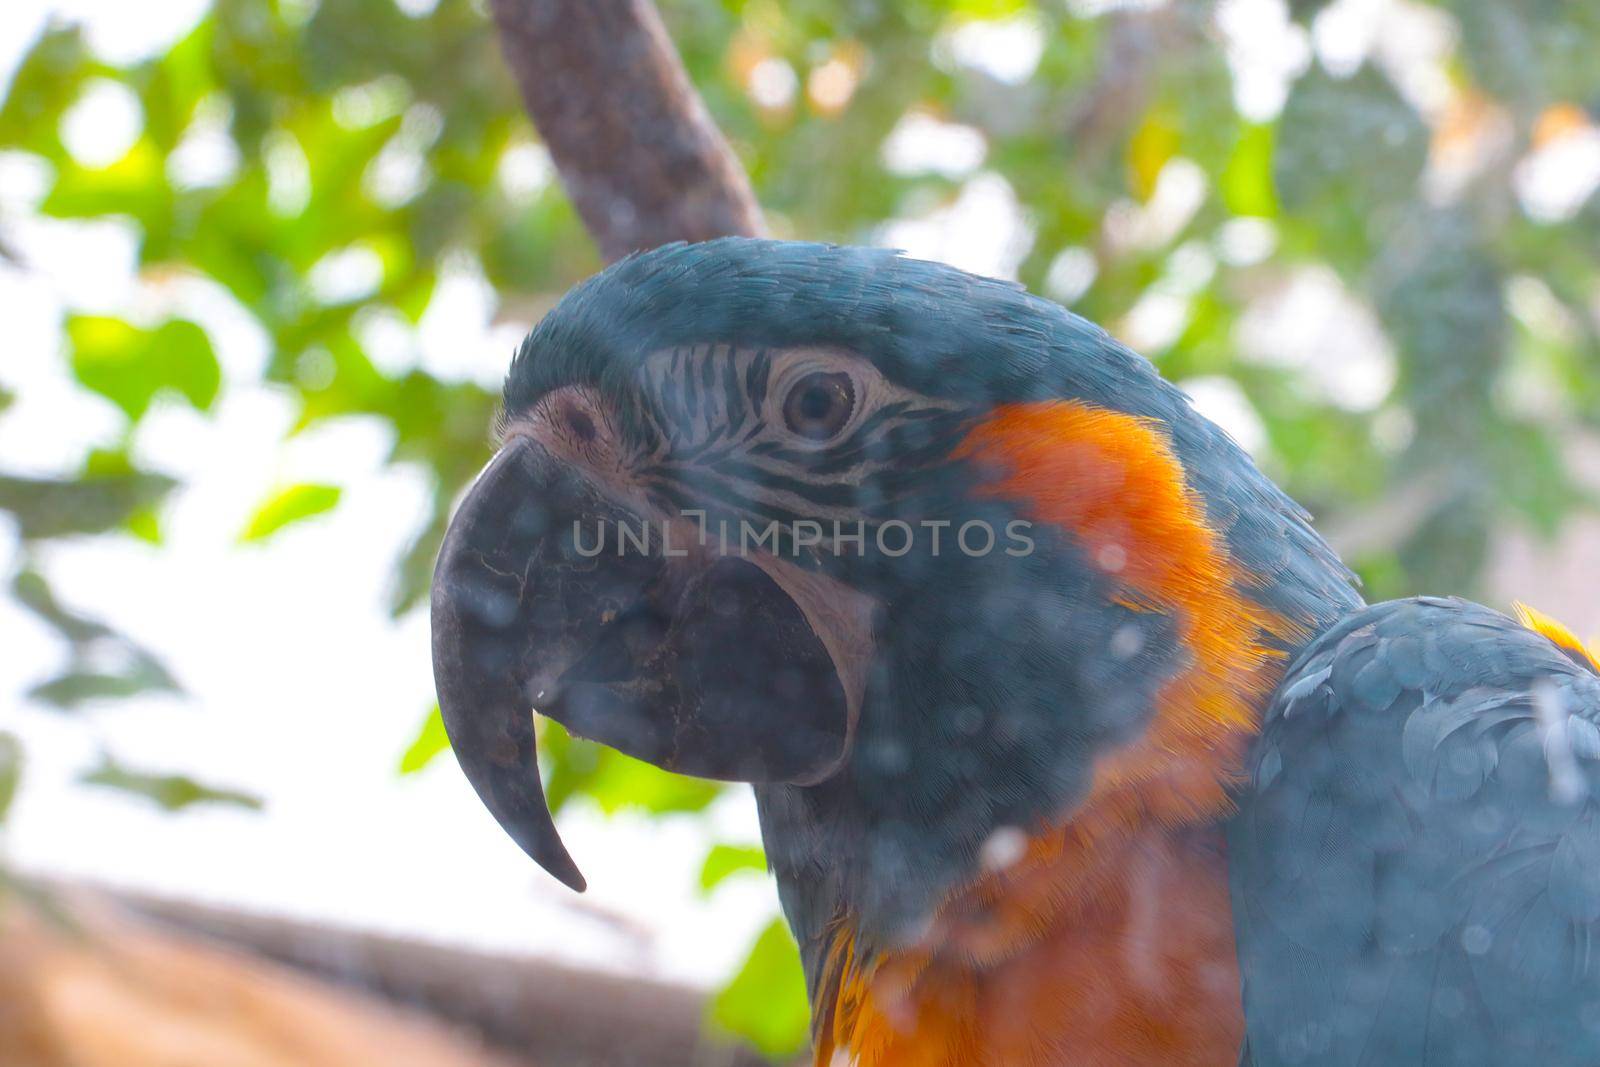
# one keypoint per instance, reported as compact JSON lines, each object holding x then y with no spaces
{"x":711,"y":446}
{"x":687,"y":392}
{"x":733,"y":397}
{"x":756,"y":377}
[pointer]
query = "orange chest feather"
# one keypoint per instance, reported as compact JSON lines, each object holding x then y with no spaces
{"x":1108,"y":938}
{"x":1141,"y":972}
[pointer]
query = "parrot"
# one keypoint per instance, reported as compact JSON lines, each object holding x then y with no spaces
{"x":1072,"y":742}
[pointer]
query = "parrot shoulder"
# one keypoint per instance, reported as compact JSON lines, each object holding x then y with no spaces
{"x":1415,"y":863}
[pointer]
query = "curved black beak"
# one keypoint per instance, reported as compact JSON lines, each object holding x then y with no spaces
{"x":486,"y":625}
{"x":703,"y":666}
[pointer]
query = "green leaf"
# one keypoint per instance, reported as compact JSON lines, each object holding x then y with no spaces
{"x":129,"y":366}
{"x":79,"y":687}
{"x":988,"y":9}
{"x":135,"y":185}
{"x":288,"y":506}
{"x":57,"y":507}
{"x":10,"y":771}
{"x":430,"y":741}
{"x":190,"y":364}
{"x":44,"y":86}
{"x":132,"y":669}
{"x":413,"y":575}
{"x":765,"y":1003}
{"x":724,"y":861}
{"x":1305,"y":9}
{"x":145,"y":524}
{"x":35,"y":594}
{"x":622,"y":782}
{"x":613,"y":781}
{"x":175,"y":84}
{"x":172,"y":792}
{"x":1247,"y":181}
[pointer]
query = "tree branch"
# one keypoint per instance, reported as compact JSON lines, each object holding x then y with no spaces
{"x":538,"y":1011}
{"x":637,"y":152}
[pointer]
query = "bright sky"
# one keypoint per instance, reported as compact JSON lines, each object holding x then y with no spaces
{"x":298,"y":685}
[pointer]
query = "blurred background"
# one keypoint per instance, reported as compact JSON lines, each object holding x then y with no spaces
{"x":263,"y":264}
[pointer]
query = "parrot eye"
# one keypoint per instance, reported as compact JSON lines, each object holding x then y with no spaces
{"x":819,"y":405}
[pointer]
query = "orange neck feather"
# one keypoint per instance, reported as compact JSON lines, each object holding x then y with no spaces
{"x":1114,"y":483}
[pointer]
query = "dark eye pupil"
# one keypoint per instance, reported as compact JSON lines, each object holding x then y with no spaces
{"x":819,"y":405}
{"x":816,"y":402}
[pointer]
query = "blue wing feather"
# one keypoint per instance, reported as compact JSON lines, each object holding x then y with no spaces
{"x":1415,"y":863}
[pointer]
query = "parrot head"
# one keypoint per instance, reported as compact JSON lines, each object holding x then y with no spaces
{"x":905,"y":548}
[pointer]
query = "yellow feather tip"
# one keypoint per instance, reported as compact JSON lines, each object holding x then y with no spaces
{"x":1557,"y":631}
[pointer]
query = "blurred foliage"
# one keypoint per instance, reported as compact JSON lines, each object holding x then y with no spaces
{"x":724,"y":861}
{"x":765,"y":1003}
{"x":354,"y":129}
{"x":613,"y":781}
{"x":10,"y":771}
{"x":101,"y":662}
{"x":130,"y":366}
{"x":174,"y":792}
{"x":431,"y":741}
